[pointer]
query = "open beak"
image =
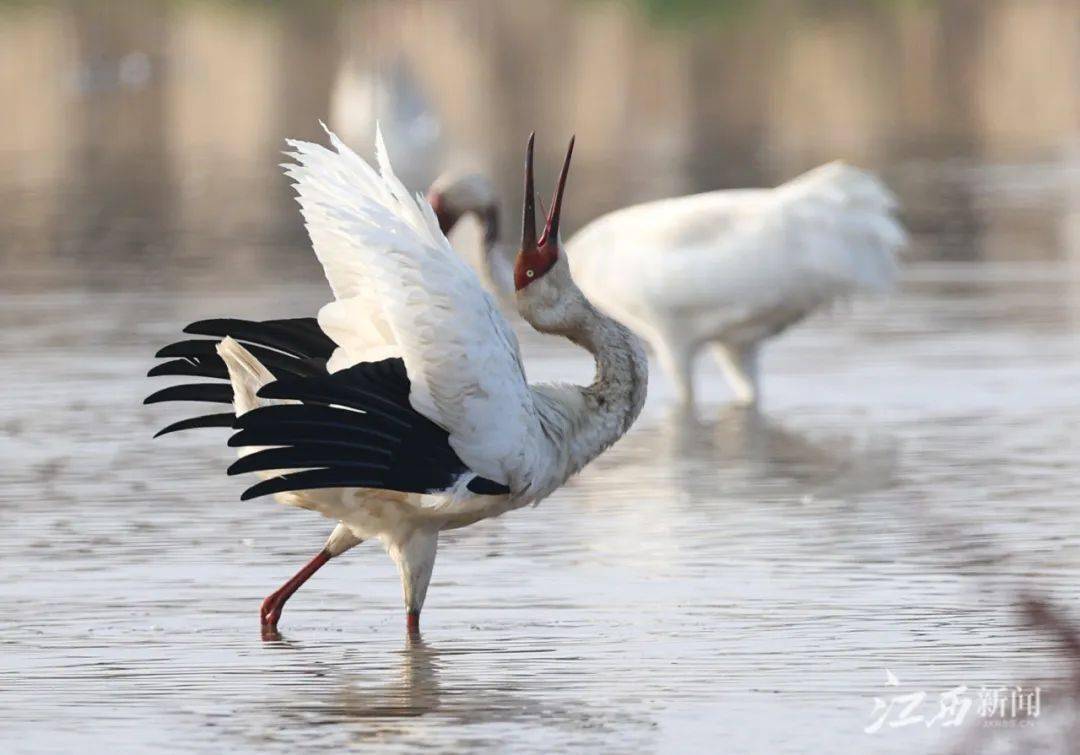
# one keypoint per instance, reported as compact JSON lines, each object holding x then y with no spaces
{"x":551,"y":229}
{"x":528,"y":219}
{"x":537,"y":256}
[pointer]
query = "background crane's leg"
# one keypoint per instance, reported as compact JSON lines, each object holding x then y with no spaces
{"x":740,"y":365}
{"x":340,"y":540}
{"x":676,"y":356}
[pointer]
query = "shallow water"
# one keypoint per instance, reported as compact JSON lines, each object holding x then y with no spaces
{"x":744,"y":583}
{"x":748,"y":578}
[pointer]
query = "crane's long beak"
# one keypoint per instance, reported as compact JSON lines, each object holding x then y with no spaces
{"x":551,"y":229}
{"x":528,"y":219}
{"x":536,"y":258}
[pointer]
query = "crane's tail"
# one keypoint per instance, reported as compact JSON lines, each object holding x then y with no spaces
{"x":246,"y":374}
{"x":235,"y":372}
{"x":844,"y":222}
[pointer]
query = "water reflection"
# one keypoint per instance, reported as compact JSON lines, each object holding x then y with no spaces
{"x":472,"y":688}
{"x":744,"y":447}
{"x":411,"y":686}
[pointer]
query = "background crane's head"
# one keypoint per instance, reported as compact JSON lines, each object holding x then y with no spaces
{"x":538,"y":256}
{"x":453,"y":195}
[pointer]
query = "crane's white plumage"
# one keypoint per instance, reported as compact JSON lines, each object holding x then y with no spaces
{"x":401,"y":290}
{"x":731,"y":268}
{"x":404,"y":410}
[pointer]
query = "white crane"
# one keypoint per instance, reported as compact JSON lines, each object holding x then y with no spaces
{"x":404,"y":409}
{"x":725,"y":269}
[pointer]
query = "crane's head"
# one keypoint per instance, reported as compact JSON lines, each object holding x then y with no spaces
{"x":453,"y":195}
{"x":538,"y":256}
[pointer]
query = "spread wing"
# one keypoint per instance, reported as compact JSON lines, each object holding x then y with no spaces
{"x":350,"y":429}
{"x":402,"y":291}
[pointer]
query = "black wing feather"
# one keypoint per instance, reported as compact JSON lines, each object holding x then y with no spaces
{"x":214,"y":393}
{"x":295,"y":347}
{"x":325,"y":417}
{"x":225,"y":419}
{"x":197,"y":348}
{"x":328,"y":389}
{"x":360,"y":438}
{"x":190,"y":368}
{"x":333,"y":430}
{"x":205,"y":353}
{"x":310,"y":479}
{"x":311,"y":455}
{"x":353,"y":429}
{"x":300,"y":337}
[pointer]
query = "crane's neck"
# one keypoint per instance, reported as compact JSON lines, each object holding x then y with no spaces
{"x":621,"y":368}
{"x":582,"y":421}
{"x":498,"y":259}
{"x":489,"y":219}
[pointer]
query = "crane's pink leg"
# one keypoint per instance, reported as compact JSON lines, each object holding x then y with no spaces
{"x":412,"y":622}
{"x":271,"y":607}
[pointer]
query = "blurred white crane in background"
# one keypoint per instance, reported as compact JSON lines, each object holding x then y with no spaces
{"x":368,"y":93}
{"x":724,"y":269}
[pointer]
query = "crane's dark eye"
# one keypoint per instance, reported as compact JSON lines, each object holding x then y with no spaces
{"x":530,"y":273}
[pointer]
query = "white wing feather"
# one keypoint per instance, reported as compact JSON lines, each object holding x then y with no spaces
{"x":401,"y":290}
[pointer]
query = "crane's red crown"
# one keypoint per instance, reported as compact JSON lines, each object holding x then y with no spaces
{"x":537,"y":256}
{"x":446,"y":218}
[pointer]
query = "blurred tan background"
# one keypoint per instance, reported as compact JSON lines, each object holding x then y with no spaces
{"x":141,"y":138}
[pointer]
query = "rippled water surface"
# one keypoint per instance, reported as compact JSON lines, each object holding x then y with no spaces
{"x":748,"y":578}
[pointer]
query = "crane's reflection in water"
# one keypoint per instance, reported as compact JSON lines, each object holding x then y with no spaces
{"x":743,"y":456}
{"x":406,"y":694}
{"x":411,"y":689}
